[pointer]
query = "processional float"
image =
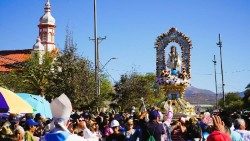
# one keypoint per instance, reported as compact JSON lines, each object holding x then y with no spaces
{"x":173,"y":74}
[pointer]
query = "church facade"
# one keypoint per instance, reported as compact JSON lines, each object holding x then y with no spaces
{"x":45,"y":42}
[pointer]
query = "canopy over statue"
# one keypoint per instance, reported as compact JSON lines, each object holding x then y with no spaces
{"x":173,"y":75}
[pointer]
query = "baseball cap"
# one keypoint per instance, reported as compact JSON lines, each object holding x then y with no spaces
{"x":31,"y":122}
{"x":114,"y":123}
{"x":153,"y":114}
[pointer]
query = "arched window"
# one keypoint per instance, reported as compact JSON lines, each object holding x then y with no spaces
{"x":44,"y":38}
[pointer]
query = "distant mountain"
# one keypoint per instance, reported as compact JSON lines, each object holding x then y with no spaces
{"x":242,"y":94}
{"x":200,"y":96}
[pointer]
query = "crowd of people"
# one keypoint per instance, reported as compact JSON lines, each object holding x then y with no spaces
{"x":153,"y":124}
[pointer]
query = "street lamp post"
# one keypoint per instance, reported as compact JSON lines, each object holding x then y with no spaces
{"x":222,"y":78}
{"x":107,"y":62}
{"x":101,"y":70}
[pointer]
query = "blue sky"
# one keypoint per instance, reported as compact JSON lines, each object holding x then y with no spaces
{"x":132,"y":26}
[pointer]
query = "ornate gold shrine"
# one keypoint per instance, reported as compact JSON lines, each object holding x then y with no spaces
{"x":174,"y":81}
{"x":179,"y":104}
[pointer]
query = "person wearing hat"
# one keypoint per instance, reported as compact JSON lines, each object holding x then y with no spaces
{"x":116,"y":135}
{"x":153,"y":127}
{"x":220,"y":133}
{"x":31,"y":128}
{"x":61,"y":109}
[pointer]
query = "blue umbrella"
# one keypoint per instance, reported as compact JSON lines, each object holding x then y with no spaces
{"x":38,"y":103}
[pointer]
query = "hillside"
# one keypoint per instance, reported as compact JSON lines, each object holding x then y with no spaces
{"x":200,"y":96}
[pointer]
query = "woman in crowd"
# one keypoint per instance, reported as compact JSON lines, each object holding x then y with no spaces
{"x":31,"y":128}
{"x":131,"y":134}
{"x":94,"y":128}
{"x":179,"y":130}
{"x":194,"y":131}
{"x":116,"y":135}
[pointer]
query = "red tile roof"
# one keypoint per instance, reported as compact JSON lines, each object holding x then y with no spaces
{"x":8,"y":58}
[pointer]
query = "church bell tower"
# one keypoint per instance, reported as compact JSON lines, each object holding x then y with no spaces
{"x":47,"y":29}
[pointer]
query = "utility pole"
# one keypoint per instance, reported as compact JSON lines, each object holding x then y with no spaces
{"x":219,"y":44}
{"x":97,"y":63}
{"x":96,"y":54}
{"x":215,"y":78}
{"x":97,"y":41}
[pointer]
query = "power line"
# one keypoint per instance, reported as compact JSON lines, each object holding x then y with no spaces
{"x":235,"y":71}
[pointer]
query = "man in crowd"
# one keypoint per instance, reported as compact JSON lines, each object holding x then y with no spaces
{"x":61,"y":109}
{"x":240,"y":127}
{"x":31,"y":128}
{"x":153,"y":127}
{"x":220,"y":133}
{"x":116,"y":135}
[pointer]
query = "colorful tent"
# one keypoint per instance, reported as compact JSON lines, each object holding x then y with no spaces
{"x":11,"y":103}
{"x":38,"y":103}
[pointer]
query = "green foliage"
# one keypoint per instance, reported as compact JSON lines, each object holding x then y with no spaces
{"x":132,"y":87}
{"x":9,"y":80}
{"x":30,"y":77}
{"x":69,"y":73}
{"x":75,"y":78}
{"x":246,"y":98}
{"x":233,"y":102}
{"x":106,"y":88}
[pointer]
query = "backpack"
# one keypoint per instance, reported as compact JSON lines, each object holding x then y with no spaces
{"x":151,"y":137}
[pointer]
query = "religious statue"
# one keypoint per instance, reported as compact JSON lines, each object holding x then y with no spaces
{"x":173,"y":70}
{"x":173,"y":61}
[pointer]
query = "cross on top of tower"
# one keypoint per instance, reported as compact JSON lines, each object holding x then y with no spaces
{"x":47,"y":18}
{"x":47,"y":6}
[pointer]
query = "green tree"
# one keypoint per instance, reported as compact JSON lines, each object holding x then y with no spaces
{"x":132,"y":87}
{"x":246,"y":97}
{"x":31,"y":76}
{"x":233,"y":102}
{"x":9,"y":80}
{"x":68,"y":73}
{"x":75,"y":77}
